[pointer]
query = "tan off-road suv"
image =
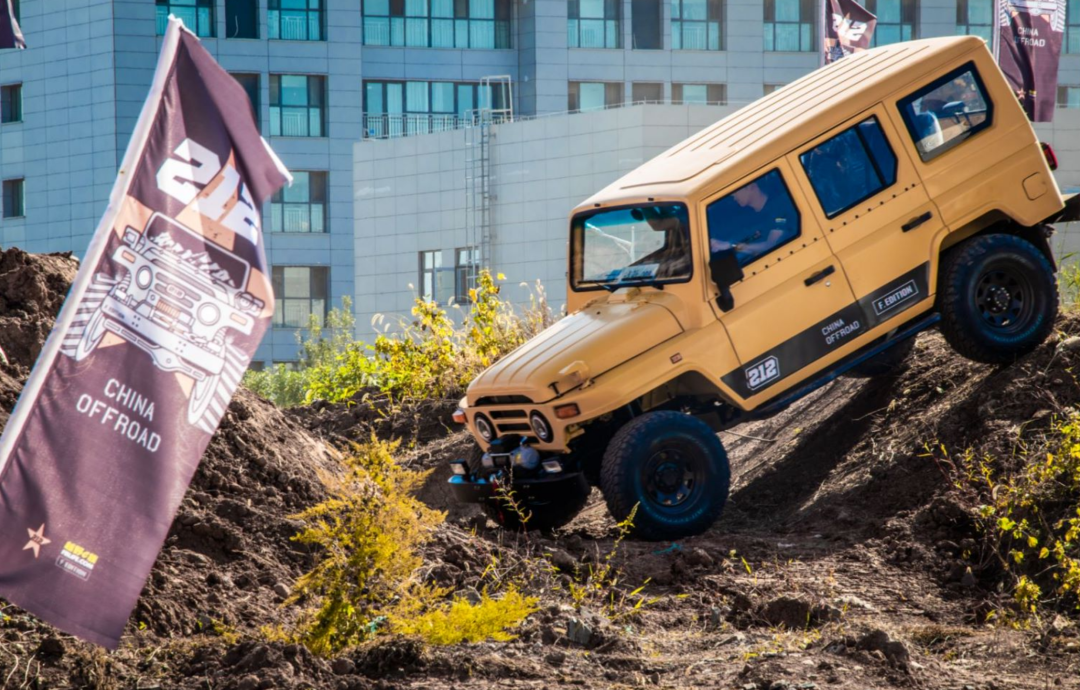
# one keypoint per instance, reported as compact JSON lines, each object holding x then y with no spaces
{"x":808,"y":235}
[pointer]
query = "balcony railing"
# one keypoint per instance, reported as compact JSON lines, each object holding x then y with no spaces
{"x":391,"y":126}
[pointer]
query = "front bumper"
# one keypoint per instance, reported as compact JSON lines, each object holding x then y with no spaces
{"x":540,"y":489}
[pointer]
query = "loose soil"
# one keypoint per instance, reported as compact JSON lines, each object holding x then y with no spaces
{"x":837,"y":562}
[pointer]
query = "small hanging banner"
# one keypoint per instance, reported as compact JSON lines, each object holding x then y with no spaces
{"x":849,"y":28}
{"x":1032,"y":32}
{"x":10,"y":33}
{"x":161,"y":322}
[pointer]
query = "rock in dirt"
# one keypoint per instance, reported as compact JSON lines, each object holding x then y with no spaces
{"x":342,"y":666}
{"x":795,"y":613}
{"x":893,"y":650}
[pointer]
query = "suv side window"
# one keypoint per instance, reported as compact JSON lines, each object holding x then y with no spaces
{"x":850,"y":167}
{"x":947,"y":111}
{"x":754,"y":219}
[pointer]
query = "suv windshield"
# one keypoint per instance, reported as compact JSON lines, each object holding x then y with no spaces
{"x":639,"y":245}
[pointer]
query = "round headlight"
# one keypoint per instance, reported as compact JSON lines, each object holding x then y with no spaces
{"x":541,"y":427}
{"x":143,"y":277}
{"x":209,"y":313}
{"x":484,"y":427}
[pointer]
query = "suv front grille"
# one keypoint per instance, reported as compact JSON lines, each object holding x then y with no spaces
{"x":503,"y":400}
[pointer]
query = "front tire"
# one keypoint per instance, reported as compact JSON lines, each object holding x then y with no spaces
{"x":673,"y":468}
{"x":527,"y":515}
{"x":998,"y":298}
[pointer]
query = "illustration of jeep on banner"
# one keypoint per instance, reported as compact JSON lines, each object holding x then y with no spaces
{"x":809,"y":235}
{"x":179,"y":298}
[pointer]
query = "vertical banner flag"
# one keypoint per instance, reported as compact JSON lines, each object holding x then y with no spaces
{"x":10,"y":33}
{"x":849,"y":27}
{"x":1031,"y":33}
{"x":161,"y":322}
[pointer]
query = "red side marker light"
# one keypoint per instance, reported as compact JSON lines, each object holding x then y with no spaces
{"x":458,"y":416}
{"x":1051,"y":157}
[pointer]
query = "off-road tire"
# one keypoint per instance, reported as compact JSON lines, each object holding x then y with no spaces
{"x":973,"y":278}
{"x":533,"y":516}
{"x":637,"y":472}
{"x":885,"y":363}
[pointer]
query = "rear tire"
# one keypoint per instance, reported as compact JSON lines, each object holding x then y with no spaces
{"x":532,"y":515}
{"x":998,"y":298}
{"x":673,"y":468}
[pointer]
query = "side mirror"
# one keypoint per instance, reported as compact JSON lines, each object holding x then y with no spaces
{"x":725,"y":270}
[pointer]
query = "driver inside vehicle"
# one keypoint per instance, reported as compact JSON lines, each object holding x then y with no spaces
{"x":753,"y":220}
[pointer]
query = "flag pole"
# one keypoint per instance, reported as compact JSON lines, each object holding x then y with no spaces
{"x":822,"y":18}
{"x":97,"y":247}
{"x":995,"y":36}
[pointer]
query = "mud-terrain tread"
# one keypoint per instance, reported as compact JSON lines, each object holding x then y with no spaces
{"x":543,"y":517}
{"x":951,"y":292}
{"x":613,"y":474}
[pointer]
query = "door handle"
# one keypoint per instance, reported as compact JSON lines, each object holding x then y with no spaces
{"x":916,"y":222}
{"x":827,"y":271}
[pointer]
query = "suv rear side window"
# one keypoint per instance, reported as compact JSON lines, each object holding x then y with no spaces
{"x":850,"y":167}
{"x":754,"y":219}
{"x":947,"y":111}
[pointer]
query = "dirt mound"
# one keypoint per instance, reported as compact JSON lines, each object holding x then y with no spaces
{"x":834,"y":566}
{"x":369,"y":412}
{"x":32,"y":288}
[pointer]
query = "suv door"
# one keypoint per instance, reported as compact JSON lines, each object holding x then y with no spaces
{"x":876,"y":214}
{"x":793,"y":306}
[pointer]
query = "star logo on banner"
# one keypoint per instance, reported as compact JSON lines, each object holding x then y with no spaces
{"x":37,"y":540}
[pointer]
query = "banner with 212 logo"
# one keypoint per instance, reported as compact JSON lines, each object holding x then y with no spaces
{"x":1032,"y":32}
{"x":849,"y":28}
{"x":161,"y":322}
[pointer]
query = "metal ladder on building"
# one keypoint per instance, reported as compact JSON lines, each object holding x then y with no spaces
{"x":496,"y":101}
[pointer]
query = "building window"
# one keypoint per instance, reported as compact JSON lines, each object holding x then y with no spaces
{"x":295,"y":20}
{"x":647,"y":22}
{"x":300,"y":207}
{"x":296,"y":105}
{"x":697,"y":24}
{"x":1068,"y":97}
{"x":789,"y":25}
{"x":11,"y":103}
{"x":437,"y":23}
{"x":1072,"y":27}
{"x":975,"y":18}
{"x":594,"y":95}
{"x":300,"y":293}
{"x":436,"y":277}
{"x":14,"y":204}
{"x":241,"y":18}
{"x":642,"y":92}
{"x":771,"y":88}
{"x":197,"y":15}
{"x":594,"y":23}
{"x":250,"y":82}
{"x":699,"y":94}
{"x":895,"y":20}
{"x":466,"y":268}
{"x":403,"y":108}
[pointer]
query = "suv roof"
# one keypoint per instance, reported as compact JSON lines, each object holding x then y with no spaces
{"x":761,"y":132}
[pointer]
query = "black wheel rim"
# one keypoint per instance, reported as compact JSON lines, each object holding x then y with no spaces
{"x":1004,"y":298}
{"x":672,"y":475}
